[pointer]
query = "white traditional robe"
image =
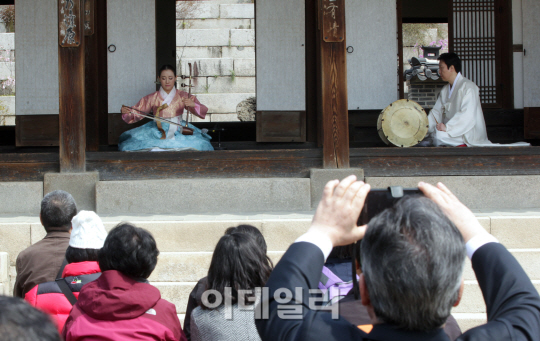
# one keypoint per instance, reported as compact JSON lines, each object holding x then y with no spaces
{"x":461,"y":112}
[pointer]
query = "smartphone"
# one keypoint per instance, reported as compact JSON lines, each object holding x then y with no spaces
{"x":379,"y":199}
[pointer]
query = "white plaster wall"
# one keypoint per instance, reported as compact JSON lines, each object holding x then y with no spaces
{"x":36,"y":42}
{"x":531,"y":43}
{"x":132,"y":67}
{"x":280,"y":55}
{"x":372,"y":67}
{"x":517,"y":38}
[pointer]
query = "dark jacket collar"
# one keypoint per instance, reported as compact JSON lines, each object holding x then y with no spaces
{"x":56,"y":232}
{"x":387,"y":332}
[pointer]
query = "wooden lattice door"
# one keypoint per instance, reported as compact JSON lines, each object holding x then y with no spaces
{"x":480,"y":37}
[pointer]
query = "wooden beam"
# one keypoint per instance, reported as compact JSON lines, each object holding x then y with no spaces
{"x":92,"y":77}
{"x":72,"y":97}
{"x":333,"y":83}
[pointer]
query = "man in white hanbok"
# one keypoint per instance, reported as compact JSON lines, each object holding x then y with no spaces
{"x":457,"y":118}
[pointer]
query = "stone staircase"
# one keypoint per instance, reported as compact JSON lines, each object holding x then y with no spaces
{"x":186,"y":243}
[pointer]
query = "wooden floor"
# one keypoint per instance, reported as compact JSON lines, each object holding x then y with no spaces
{"x":20,"y":164}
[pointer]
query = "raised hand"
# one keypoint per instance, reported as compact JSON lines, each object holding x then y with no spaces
{"x":339,"y":209}
{"x":458,"y":213}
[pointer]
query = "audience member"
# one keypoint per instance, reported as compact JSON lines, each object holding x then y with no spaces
{"x":412,"y":262}
{"x":238,"y":267}
{"x":21,"y":322}
{"x":337,"y":278}
{"x":87,"y":237}
{"x":41,"y":262}
{"x":121,"y":304}
{"x":338,"y":286}
{"x":194,"y":299}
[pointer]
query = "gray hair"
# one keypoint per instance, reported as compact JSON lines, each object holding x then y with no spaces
{"x":412,"y":259}
{"x":57,"y":210}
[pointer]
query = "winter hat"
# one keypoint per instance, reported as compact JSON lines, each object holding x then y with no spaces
{"x":87,"y":231}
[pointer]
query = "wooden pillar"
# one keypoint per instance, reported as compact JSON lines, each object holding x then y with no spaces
{"x":333,"y":100}
{"x":72,"y":97}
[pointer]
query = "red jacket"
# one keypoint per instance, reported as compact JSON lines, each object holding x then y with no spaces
{"x":49,"y":298}
{"x":118,"y":307}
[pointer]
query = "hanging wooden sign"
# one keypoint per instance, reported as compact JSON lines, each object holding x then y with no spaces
{"x":333,"y":21}
{"x":88,"y":17}
{"x":69,"y":23}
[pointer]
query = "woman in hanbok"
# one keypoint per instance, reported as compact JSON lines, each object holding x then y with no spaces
{"x":169,"y":137}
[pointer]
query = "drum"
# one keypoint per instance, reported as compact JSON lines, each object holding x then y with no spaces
{"x":403,"y":123}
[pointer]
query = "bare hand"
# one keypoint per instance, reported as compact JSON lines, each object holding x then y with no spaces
{"x":339,"y":209}
{"x":125,"y":110}
{"x":441,"y":127}
{"x":189,"y":102}
{"x":458,"y":213}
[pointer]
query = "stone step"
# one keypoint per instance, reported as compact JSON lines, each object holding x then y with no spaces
{"x":4,"y":274}
{"x":472,"y":300}
{"x":189,"y":266}
{"x":200,"y":233}
{"x":465,"y":321}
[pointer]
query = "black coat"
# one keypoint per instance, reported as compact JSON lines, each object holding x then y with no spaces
{"x":513,"y":305}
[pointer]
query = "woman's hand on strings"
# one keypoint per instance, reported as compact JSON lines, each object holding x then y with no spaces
{"x":125,"y":110}
{"x":189,"y":102}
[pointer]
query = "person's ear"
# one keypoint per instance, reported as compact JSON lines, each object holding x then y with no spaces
{"x":460,"y":293}
{"x":452,"y":68}
{"x":364,"y":294}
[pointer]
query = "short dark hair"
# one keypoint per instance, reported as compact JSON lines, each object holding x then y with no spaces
{"x":130,"y":250}
{"x":412,"y":259}
{"x":166,"y":67}
{"x":239,"y":263}
{"x":22,"y":322}
{"x":57,"y":210}
{"x":451,"y":59}
{"x":76,"y":255}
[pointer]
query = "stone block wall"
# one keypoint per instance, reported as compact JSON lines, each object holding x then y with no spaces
{"x":424,"y":92}
{"x":218,"y":38}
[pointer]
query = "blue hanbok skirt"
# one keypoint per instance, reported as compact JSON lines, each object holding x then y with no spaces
{"x":148,"y":137}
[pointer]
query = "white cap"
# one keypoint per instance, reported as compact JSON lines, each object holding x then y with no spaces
{"x":88,"y":231}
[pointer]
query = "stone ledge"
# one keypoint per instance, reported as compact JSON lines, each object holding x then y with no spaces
{"x":319,"y":178}
{"x":478,"y":192}
{"x":24,"y":197}
{"x":82,"y":186}
{"x":227,"y":195}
